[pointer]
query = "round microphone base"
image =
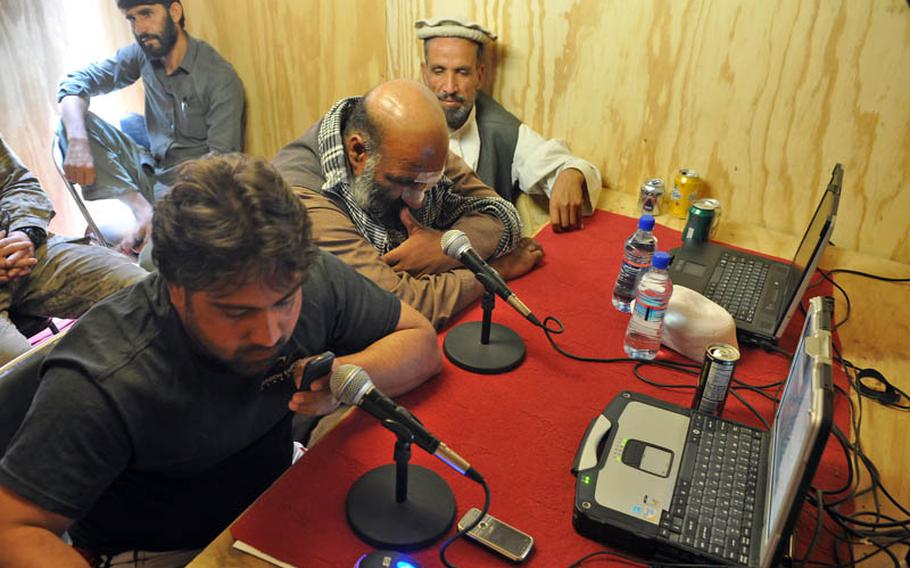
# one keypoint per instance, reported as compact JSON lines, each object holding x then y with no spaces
{"x":377,"y":519}
{"x":504,"y":352}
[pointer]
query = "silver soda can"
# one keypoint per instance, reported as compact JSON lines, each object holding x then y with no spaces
{"x":715,"y":378}
{"x":650,"y":196}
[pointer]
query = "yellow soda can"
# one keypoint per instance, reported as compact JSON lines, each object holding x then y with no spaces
{"x":686,"y":187}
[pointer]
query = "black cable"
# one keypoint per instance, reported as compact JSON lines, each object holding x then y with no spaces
{"x":867,"y":275}
{"x":687,"y":368}
{"x":845,"y":444}
{"x":853,"y":561}
{"x":751,"y":409}
{"x":774,"y":385}
{"x":819,"y":522}
{"x":619,"y":555}
{"x":891,"y":395}
{"x":636,"y":370}
{"x":827,"y":277}
{"x":769,"y":346}
{"x":633,"y":560}
{"x":552,"y":326}
{"x":682,"y":367}
{"x":882,"y":392}
{"x":852,"y":525}
{"x":483,"y":513}
{"x":739,"y":385}
{"x":873,"y":471}
{"x":849,"y":524}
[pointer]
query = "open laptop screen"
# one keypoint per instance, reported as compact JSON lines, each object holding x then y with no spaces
{"x":810,"y":248}
{"x":797,"y":423}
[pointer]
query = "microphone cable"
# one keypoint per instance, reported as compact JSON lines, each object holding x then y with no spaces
{"x":483,"y":513}
{"x":551,"y":326}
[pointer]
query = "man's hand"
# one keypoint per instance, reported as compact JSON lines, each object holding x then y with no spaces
{"x":78,"y":164}
{"x":18,"y":256}
{"x":422,"y":252}
{"x":567,"y":201}
{"x":316,"y":401}
{"x":520,"y":261}
{"x":133,"y":241}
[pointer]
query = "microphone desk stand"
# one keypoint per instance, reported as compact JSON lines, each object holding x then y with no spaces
{"x":499,"y":348}
{"x":400,"y":506}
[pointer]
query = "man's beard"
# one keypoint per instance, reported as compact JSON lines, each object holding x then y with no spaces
{"x":247,"y":361}
{"x":456,"y":117}
{"x":166,"y":41}
{"x":373,"y":198}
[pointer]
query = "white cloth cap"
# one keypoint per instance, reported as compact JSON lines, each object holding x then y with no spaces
{"x":429,"y":28}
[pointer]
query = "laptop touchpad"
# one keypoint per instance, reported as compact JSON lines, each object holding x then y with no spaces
{"x":692,"y":268}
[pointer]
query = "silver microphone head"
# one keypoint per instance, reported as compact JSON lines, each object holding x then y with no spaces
{"x":455,"y":243}
{"x":349,"y":383}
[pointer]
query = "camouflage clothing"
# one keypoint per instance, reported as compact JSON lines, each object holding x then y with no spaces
{"x":68,"y":277}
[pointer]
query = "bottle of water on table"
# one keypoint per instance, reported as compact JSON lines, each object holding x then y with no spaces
{"x":654,"y":289}
{"x":639,"y":249}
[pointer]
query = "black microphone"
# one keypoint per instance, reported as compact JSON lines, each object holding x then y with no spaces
{"x":351,"y":385}
{"x":457,"y":245}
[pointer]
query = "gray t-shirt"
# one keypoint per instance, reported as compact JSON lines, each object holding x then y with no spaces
{"x":150,"y":445}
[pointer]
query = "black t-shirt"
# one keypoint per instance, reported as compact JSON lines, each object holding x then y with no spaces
{"x":152,"y":447}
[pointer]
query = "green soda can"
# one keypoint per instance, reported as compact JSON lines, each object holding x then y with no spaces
{"x":701,"y":218}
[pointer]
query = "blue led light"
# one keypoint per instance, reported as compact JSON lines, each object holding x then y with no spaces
{"x":404,"y":564}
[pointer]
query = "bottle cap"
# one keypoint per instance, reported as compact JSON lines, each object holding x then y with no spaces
{"x":661,"y":260}
{"x":646,"y":222}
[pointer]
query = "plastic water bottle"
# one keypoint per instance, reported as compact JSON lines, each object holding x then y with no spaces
{"x":654,"y":289}
{"x":639,"y":249}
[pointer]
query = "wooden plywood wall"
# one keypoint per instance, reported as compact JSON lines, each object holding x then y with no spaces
{"x":295,"y":57}
{"x":761,"y":97}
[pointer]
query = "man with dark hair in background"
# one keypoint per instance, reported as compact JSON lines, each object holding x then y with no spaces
{"x":381,"y":187}
{"x":193,"y":106}
{"x":167,"y":409}
{"x":43,"y":275}
{"x":507,"y":154}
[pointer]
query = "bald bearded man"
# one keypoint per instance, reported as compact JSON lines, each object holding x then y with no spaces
{"x":381,"y":187}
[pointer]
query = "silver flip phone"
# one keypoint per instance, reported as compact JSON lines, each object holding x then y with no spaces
{"x":498,"y":536}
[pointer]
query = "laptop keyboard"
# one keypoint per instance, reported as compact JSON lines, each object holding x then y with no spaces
{"x":736,"y":284}
{"x":714,"y":502}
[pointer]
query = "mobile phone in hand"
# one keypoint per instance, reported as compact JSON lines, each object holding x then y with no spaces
{"x":316,"y":367}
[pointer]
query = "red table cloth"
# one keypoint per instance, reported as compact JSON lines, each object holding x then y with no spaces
{"x":519,"y":429}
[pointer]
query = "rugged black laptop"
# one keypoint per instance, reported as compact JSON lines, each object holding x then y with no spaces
{"x":760,"y":294}
{"x":668,"y":482}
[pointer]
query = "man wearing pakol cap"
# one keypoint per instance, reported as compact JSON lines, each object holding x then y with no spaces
{"x":193,"y":106}
{"x":381,"y":187}
{"x":507,"y":154}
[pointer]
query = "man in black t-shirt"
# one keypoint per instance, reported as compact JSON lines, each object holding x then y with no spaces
{"x":167,"y":408}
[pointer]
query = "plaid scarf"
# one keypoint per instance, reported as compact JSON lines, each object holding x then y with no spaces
{"x":442,"y":205}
